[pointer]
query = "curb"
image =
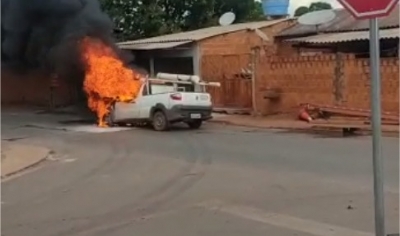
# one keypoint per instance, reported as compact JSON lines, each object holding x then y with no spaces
{"x":28,"y":166}
{"x":261,"y":127}
{"x":304,"y":129}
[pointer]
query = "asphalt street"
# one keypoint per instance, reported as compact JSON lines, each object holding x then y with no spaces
{"x":219,"y":180}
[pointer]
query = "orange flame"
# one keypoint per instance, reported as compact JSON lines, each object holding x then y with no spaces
{"x":107,"y":80}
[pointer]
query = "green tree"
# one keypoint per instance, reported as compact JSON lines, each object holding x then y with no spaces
{"x":245,"y":10}
{"x":145,"y":18}
{"x":198,"y":14}
{"x":315,"y":6}
{"x":301,"y":11}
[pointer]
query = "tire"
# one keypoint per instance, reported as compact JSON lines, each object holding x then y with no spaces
{"x":195,"y":124}
{"x":110,"y":117}
{"x":109,"y":120}
{"x":160,"y":121}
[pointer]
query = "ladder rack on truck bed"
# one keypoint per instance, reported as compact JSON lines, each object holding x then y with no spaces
{"x":203,"y":83}
{"x":166,"y":78}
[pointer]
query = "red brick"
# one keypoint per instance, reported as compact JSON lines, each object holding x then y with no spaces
{"x":312,"y":81}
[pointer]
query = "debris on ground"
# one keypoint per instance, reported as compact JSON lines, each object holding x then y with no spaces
{"x":364,"y":115}
{"x":348,"y":120}
{"x":345,"y":126}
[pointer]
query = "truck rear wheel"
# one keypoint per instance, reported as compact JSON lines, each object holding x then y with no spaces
{"x":160,"y":121}
{"x":195,"y":124}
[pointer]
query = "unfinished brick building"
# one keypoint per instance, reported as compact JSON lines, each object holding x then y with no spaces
{"x":330,"y":65}
{"x":220,"y":53}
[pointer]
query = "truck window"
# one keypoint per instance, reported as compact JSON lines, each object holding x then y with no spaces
{"x":161,"y":88}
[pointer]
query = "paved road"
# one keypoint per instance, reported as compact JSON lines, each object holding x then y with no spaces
{"x":220,"y":180}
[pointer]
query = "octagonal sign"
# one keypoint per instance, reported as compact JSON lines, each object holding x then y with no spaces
{"x":365,"y":9}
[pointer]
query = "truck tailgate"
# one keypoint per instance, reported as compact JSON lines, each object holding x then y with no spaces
{"x":191,"y":99}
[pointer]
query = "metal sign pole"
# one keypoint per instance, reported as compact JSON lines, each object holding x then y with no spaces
{"x":376,"y":128}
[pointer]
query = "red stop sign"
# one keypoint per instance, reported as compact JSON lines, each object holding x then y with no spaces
{"x":365,"y":9}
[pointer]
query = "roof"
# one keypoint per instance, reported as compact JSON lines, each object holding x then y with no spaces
{"x":343,"y":22}
{"x":196,"y":35}
{"x":152,"y":46}
{"x":346,"y":36}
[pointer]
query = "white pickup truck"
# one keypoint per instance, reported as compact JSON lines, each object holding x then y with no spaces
{"x":164,"y":102}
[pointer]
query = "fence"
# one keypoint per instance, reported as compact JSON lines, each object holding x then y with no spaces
{"x":326,"y":79}
{"x":33,"y":88}
{"x":230,"y":71}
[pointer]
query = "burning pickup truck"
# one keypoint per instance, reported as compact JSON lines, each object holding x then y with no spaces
{"x":165,"y":100}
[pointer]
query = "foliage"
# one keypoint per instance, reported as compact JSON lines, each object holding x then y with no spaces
{"x":315,"y":6}
{"x":301,"y":11}
{"x":146,"y":18}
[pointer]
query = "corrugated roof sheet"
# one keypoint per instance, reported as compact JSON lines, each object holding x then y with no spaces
{"x":204,"y":33}
{"x":344,"y":21}
{"x":345,"y":36}
{"x":152,"y":46}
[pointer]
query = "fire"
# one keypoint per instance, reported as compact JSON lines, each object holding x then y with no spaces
{"x":107,"y":79}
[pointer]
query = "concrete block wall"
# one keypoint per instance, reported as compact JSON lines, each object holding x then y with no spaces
{"x":312,"y":80}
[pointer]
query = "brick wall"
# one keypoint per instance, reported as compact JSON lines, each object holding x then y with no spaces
{"x":223,"y":57}
{"x":358,"y":82}
{"x":32,"y":88}
{"x":235,"y":90}
{"x":325,"y":79}
{"x":288,"y":49}
{"x":241,"y":42}
{"x":231,"y":43}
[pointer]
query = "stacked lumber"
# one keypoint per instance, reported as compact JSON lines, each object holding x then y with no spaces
{"x":363,"y":115}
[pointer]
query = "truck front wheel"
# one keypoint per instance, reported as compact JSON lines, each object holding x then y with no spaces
{"x":160,"y":121}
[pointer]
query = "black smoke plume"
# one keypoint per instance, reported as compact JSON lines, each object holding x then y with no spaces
{"x":45,"y":34}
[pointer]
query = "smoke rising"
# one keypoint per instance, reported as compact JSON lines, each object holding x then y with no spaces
{"x":45,"y":33}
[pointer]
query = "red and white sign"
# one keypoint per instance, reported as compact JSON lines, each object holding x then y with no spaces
{"x":366,"y":9}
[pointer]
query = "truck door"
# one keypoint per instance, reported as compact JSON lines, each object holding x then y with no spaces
{"x":145,"y":103}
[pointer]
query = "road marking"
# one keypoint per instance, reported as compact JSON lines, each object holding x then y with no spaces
{"x":285,"y":221}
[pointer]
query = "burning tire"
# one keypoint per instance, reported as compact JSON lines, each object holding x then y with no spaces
{"x":110,"y":118}
{"x":160,"y":121}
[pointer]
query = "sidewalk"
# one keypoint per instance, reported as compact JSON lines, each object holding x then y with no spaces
{"x":274,"y":122}
{"x":17,"y":157}
{"x":289,"y":123}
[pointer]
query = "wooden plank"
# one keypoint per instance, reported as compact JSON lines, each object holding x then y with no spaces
{"x":384,"y":122}
{"x":349,"y":111}
{"x":342,"y":126}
